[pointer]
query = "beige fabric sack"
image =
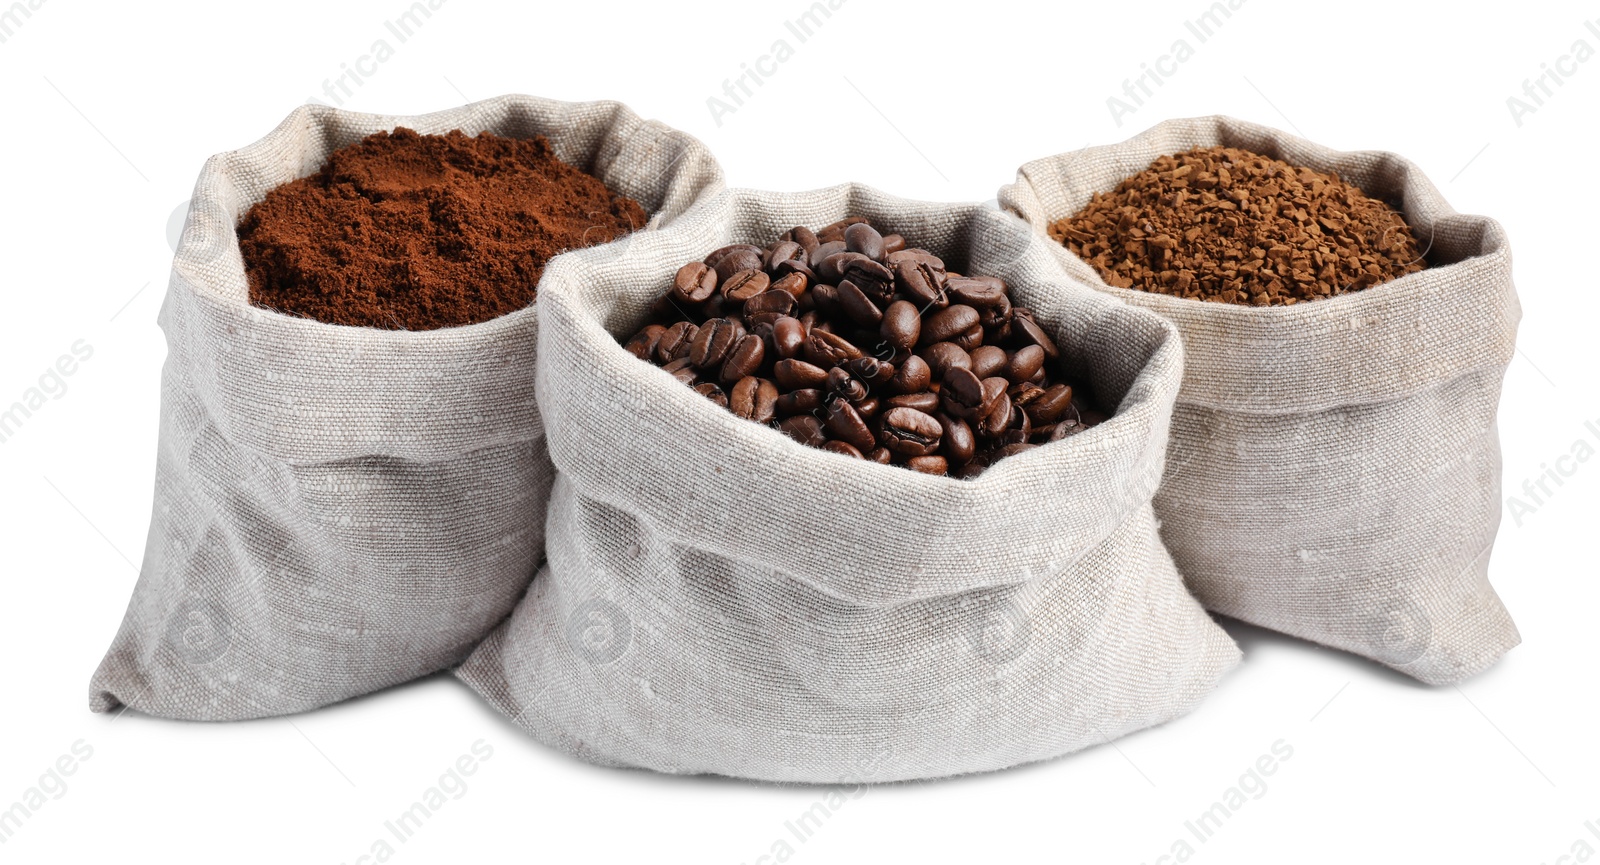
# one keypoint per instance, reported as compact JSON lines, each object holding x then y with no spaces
{"x":720,"y":599}
{"x":340,"y":509}
{"x":1335,"y":467}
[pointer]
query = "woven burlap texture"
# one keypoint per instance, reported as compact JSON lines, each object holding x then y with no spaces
{"x":721,"y":599}
{"x":1334,"y":471}
{"x":340,"y":509}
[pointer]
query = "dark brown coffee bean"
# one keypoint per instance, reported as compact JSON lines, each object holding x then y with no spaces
{"x":874,"y":280}
{"x":744,"y":285}
{"x":832,"y":268}
{"x":1023,"y":325}
{"x":958,"y":443}
{"x":970,"y":340}
{"x":787,"y":335}
{"x":712,"y":392}
{"x":843,"y":448}
{"x":799,"y":401}
{"x":1051,"y":405}
{"x":911,"y":433}
{"x":694,"y":283}
{"x":1024,"y":362}
{"x":643,"y":344}
{"x":871,"y":370}
{"x":912,"y":376}
{"x":996,"y":321}
{"x":893,"y":243}
{"x":901,"y":324}
{"x":841,"y":225}
{"x":712,"y":343}
{"x":969,"y":471}
{"x":803,"y":236}
{"x":803,"y":428}
{"x":794,"y":267}
{"x":858,"y":306}
{"x":947,"y":323}
{"x":682,"y":370}
{"x":945,"y":356}
{"x":994,"y":423}
{"x":921,"y":284}
{"x":929,"y":465}
{"x":975,"y":292}
{"x":881,"y":455}
{"x":868,"y":407}
{"x":768,"y":306}
{"x":718,"y":254}
{"x":1019,"y":427}
{"x":745,"y":359}
{"x":994,"y":389}
{"x":754,"y":399}
{"x":893,"y":259}
{"x":841,"y":382}
{"x":924,"y":401}
{"x":1065,"y":429}
{"x":675,"y":342}
{"x":796,"y":374}
{"x":743,"y":258}
{"x":845,"y":424}
{"x":826,"y":298}
{"x":783,"y":251}
{"x":794,"y":283}
{"x":864,"y":239}
{"x":823,"y":251}
{"x":828,"y":349}
{"x":961,"y":393}
{"x":988,"y":360}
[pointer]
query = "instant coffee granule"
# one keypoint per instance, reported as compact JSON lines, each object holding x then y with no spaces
{"x":1224,"y":224}
{"x":416,"y":232}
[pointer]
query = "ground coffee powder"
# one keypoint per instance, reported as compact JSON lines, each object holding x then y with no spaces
{"x":415,"y":232}
{"x":1225,"y":224}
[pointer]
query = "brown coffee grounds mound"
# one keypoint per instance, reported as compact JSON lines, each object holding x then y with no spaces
{"x":415,"y":232}
{"x":1228,"y":225}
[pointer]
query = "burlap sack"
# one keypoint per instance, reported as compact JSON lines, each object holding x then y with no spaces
{"x":339,"y":509}
{"x":1334,"y":470}
{"x":720,"y":599}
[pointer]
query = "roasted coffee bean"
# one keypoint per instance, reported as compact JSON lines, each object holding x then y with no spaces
{"x":742,"y":258}
{"x":1065,"y":429}
{"x":744,"y":285}
{"x":787,"y":250}
{"x":1051,"y":405}
{"x":720,"y":253}
{"x":880,"y":455}
{"x":794,"y":267}
{"x":823,"y":250}
{"x":803,"y":236}
{"x":911,"y":433}
{"x":874,"y":280}
{"x":682,"y":370}
{"x":799,"y":402}
{"x":745,"y":359}
{"x":961,"y":394}
{"x":768,"y":306}
{"x":871,"y":370}
{"x":826,"y":298}
{"x":969,"y":471}
{"x":958,"y":443}
{"x":996,"y":321}
{"x":1019,"y":427}
{"x":902,"y":324}
{"x":1023,"y":325}
{"x":787,"y":335}
{"x":794,"y":283}
{"x":675,"y":342}
{"x":924,"y":401}
{"x":948,"y":323}
{"x":694,"y":283}
{"x":754,"y":399}
{"x":643,"y":344}
{"x":864,"y":239}
{"x":1024,"y":363}
{"x":868,"y":407}
{"x":841,"y":225}
{"x":828,"y":349}
{"x":930,"y":465}
{"x":858,"y":306}
{"x":832,"y":267}
{"x":842,"y":447}
{"x":893,"y":259}
{"x":841,"y":382}
{"x":971,"y":339}
{"x":920,"y":283}
{"x":714,"y":306}
{"x":796,"y":374}
{"x":712,"y":392}
{"x":988,"y":360}
{"x":712,"y":343}
{"x":893,"y":243}
{"x":843,"y":422}
{"x":994,"y":388}
{"x":945,"y":356}
{"x":994,"y":423}
{"x":975,"y":292}
{"x":803,"y":428}
{"x":912,"y":376}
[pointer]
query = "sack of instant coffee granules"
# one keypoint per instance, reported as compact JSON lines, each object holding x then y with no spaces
{"x":720,"y":598}
{"x":1334,"y":471}
{"x":339,"y":509}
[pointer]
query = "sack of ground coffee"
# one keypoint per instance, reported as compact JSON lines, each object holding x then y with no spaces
{"x":1334,"y":471}
{"x":339,"y":509}
{"x":720,"y":598}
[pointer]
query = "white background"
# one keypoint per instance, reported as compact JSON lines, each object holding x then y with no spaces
{"x":110,"y":110}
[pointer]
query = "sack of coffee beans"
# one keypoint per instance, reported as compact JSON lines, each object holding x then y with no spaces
{"x":721,"y":598}
{"x":1334,"y":471}
{"x":343,"y":508}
